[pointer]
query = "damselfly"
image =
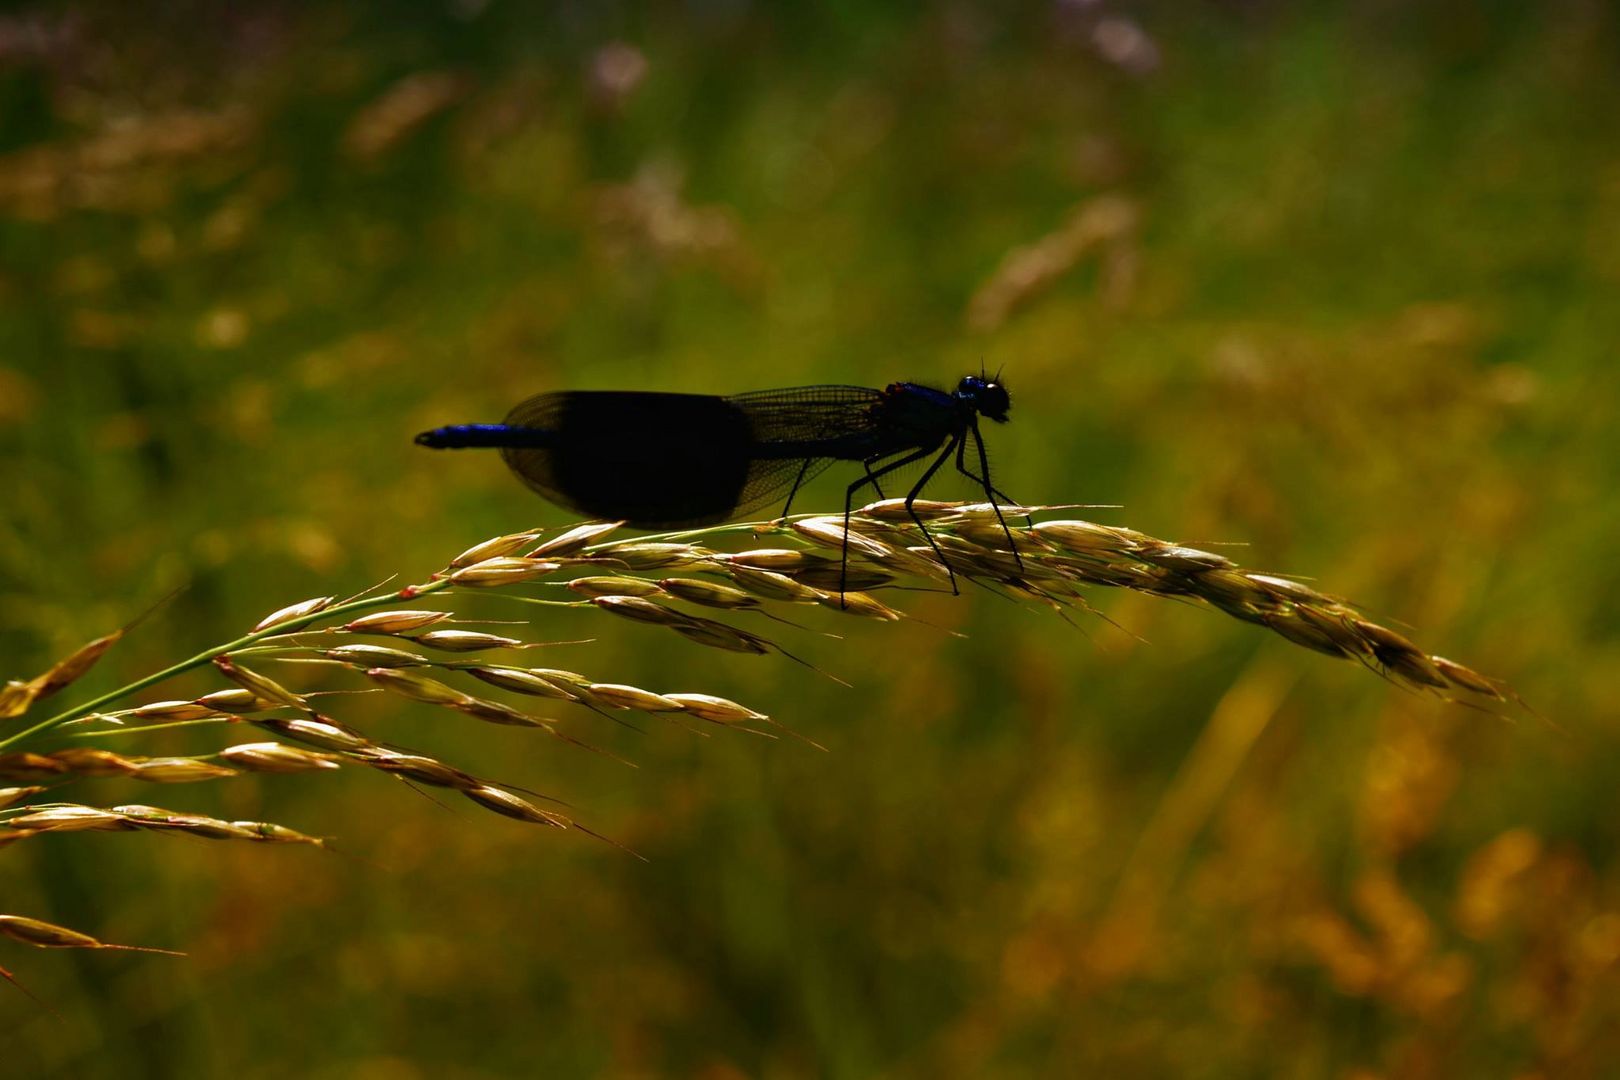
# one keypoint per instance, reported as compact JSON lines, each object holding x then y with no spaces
{"x":677,"y":461}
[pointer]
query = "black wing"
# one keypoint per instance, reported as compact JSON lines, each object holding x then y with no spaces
{"x":665,"y":461}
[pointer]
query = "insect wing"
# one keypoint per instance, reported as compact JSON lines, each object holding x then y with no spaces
{"x":654,"y":460}
{"x":799,"y":432}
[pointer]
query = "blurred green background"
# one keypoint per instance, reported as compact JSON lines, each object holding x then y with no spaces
{"x":1335,"y":281}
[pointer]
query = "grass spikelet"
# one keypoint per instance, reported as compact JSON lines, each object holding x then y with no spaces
{"x":274,"y":757}
{"x":574,"y":540}
{"x":466,"y":641}
{"x":44,"y":935}
{"x":781,"y":560}
{"x":707,"y":593}
{"x":619,"y":696}
{"x":293,"y":611}
{"x":640,"y":609}
{"x":10,"y":796}
{"x":717,"y":710}
{"x":506,"y":570}
{"x":614,"y":585}
{"x":175,"y":710}
{"x":858,"y":603}
{"x":361,"y":655}
{"x":393,"y":622}
{"x":504,"y":802}
{"x":261,"y":686}
{"x":653,"y":556}
{"x":522,"y":681}
{"x":495,"y":548}
{"x":770,"y":585}
{"x":416,"y":686}
{"x":316,"y":731}
{"x":19,"y":697}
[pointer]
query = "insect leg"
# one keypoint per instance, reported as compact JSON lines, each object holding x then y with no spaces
{"x":961,"y":467}
{"x":794,"y":490}
{"x":911,"y":497}
{"x":990,"y":491}
{"x":849,"y":498}
{"x":873,"y":479}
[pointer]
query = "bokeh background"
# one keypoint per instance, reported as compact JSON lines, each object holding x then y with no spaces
{"x":1336,"y":281}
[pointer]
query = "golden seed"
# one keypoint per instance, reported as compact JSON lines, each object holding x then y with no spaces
{"x":650,"y":556}
{"x":394,"y":622}
{"x":503,"y":571}
{"x":574,"y":539}
{"x":504,"y":802}
{"x":716,"y":709}
{"x":293,"y":611}
{"x":417,"y":687}
{"x":619,"y":696}
{"x":274,"y":757}
{"x":614,"y":585}
{"x":708,"y":593}
{"x":464,"y":640}
{"x":494,"y":548}
{"x":255,"y":683}
{"x":174,"y":710}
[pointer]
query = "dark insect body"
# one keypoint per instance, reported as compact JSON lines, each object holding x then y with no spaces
{"x":680,"y":461}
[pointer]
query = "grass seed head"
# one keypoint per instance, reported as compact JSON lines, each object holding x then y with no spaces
{"x":11,"y":796}
{"x":720,"y":636}
{"x":619,"y":696}
{"x":91,"y":763}
{"x":23,"y":765}
{"x":174,"y":710}
{"x":293,"y":611}
{"x":496,"y":713}
{"x":827,"y":578}
{"x":464,"y":640}
{"x":856,"y":603}
{"x":394,"y":622}
{"x":1086,"y":537}
{"x":1468,"y":679}
{"x":719,"y":710}
{"x":269,"y":832}
{"x":159,"y":820}
{"x":1289,"y":624}
{"x":44,"y":935}
{"x":523,"y":681}
{"x":707,"y":593}
{"x":504,"y":802}
{"x":177,"y":770}
{"x":376,"y":656}
{"x":417,"y":767}
{"x":505,"y":570}
{"x":316,"y":731}
{"x":830,"y":532}
{"x":640,"y":609}
{"x":235,"y":702}
{"x":71,"y":818}
{"x":769,"y":585}
{"x":614,"y":585}
{"x":494,"y":548}
{"x":654,"y":556}
{"x":417,"y":687}
{"x":781,"y":560}
{"x":575,"y":539}
{"x":274,"y":757}
{"x":261,"y":685}
{"x":895,"y":510}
